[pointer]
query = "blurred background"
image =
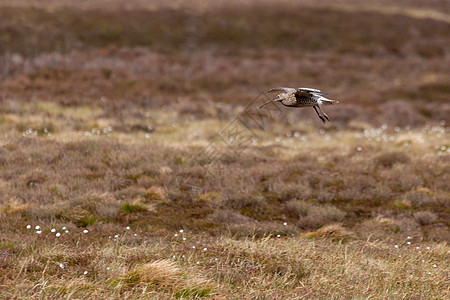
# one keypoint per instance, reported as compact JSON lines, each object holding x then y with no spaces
{"x":387,"y":62}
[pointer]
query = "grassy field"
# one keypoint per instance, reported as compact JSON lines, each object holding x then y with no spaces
{"x":134,"y":162}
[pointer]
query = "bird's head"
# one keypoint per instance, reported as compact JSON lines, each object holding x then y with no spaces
{"x":279,"y":97}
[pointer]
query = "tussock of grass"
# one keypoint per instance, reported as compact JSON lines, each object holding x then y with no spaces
{"x":241,"y":200}
{"x":106,"y":206}
{"x":229,"y":217}
{"x":313,"y":216}
{"x":425,"y":217}
{"x":15,"y":206}
{"x":132,"y":208}
{"x":333,"y":231}
{"x":165,"y":275}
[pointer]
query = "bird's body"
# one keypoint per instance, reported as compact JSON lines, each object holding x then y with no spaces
{"x":302,"y":97}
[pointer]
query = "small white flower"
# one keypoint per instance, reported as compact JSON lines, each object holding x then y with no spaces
{"x":417,"y":247}
{"x":184,"y":239}
{"x":37,"y":227}
{"x":408,"y":237}
{"x":216,"y":259}
{"x":399,"y":255}
{"x":181,"y":230}
{"x":278,"y":235}
{"x":429,"y":273}
{"x":198,"y":263}
{"x":38,"y":232}
{"x":193,"y":247}
{"x":127,"y":228}
{"x":434,"y":266}
{"x":107,"y":268}
{"x":285,"y":223}
{"x":28,"y":226}
{"x":61,"y":266}
{"x":409,"y":243}
{"x":423,"y":260}
{"x":53,"y":230}
{"x":173,"y":257}
{"x":85,"y":272}
{"x":64,"y":228}
{"x":204,"y":249}
{"x":135,"y":234}
{"x":67,"y":231}
{"x":58,"y":234}
{"x":176,"y":234}
{"x":116,"y":236}
{"x":428,"y":248}
{"x":396,"y":246}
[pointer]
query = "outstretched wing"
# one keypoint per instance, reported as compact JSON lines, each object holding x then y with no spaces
{"x":304,"y":94}
{"x":310,"y":91}
{"x":282,"y":89}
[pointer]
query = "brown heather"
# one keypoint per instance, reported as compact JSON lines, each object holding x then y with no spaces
{"x":109,"y":115}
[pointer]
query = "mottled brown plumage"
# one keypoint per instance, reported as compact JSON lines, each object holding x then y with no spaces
{"x":302,"y":97}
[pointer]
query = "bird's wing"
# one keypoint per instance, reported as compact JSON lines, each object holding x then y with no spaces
{"x":303,"y":93}
{"x":310,"y":91}
{"x":281,"y":89}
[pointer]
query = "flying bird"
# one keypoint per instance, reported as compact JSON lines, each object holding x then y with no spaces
{"x":302,"y":97}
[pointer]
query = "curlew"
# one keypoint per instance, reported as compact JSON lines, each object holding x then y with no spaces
{"x":302,"y":97}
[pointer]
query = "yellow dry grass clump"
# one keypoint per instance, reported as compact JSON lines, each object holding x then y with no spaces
{"x":165,"y":275}
{"x":333,"y":231}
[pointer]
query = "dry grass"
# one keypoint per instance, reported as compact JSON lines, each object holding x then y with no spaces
{"x":109,"y":122}
{"x":106,"y":182}
{"x":291,"y":267}
{"x":165,"y":275}
{"x":333,"y":232}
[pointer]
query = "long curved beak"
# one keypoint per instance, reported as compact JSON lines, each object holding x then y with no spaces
{"x":274,"y":99}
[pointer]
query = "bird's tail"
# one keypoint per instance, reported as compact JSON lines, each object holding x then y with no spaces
{"x":326,"y":101}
